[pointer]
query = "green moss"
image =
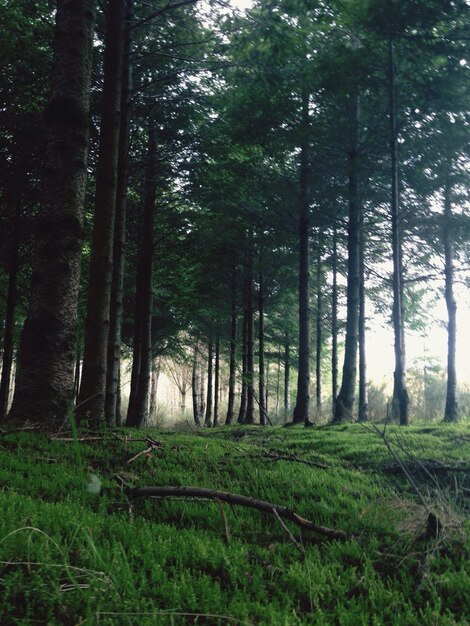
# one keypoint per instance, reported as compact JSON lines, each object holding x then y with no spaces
{"x":69,"y":556}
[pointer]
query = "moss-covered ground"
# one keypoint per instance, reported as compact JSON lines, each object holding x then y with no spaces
{"x":75,"y":550}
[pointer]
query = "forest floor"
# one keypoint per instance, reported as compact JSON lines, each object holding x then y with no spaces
{"x":77,"y":547}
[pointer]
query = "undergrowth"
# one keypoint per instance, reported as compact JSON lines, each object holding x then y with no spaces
{"x":75,"y":550}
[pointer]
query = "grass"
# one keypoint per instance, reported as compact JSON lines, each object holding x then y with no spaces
{"x":73,"y":557}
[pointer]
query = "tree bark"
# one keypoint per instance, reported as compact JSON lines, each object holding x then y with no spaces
{"x":363,"y":414}
{"x":243,"y":395}
{"x":334,"y":322}
{"x":210,"y":360}
{"x":112,"y":411}
{"x":345,"y":401}
{"x":217,"y":377}
{"x":319,"y":338}
{"x":302,"y":407}
{"x":286,"y":374}
{"x":262,"y":386}
{"x":451,"y":408}
{"x":91,"y":399}
{"x":250,"y":365}
{"x":196,"y":384}
{"x":400,"y":393}
{"x":233,"y":349}
{"x":8,"y":345}
{"x":154,"y":387}
{"x":137,"y":413}
{"x":45,"y":378}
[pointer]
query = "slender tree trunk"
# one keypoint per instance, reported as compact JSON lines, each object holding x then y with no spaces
{"x":451,"y":408}
{"x":233,"y":349}
{"x":93,"y":386}
{"x":196,"y":384}
{"x":400,"y":393}
{"x":77,"y":373}
{"x":156,"y":366}
{"x":262,"y":388}
{"x":286,"y":374}
{"x":319,"y":338}
{"x":250,"y":365}
{"x":217,"y":378}
{"x":302,"y":407}
{"x":138,"y":410}
{"x":345,"y":400}
{"x":243,"y":395}
{"x":46,"y":367}
{"x":8,"y":346}
{"x":363,"y":413}
{"x":210,"y":361}
{"x":116,"y":304}
{"x":202,"y":395}
{"x":334,"y":322}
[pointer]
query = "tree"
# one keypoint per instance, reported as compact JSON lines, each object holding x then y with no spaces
{"x":91,"y":399}
{"x":46,"y":364}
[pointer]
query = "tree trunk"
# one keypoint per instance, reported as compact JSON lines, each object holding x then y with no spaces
{"x":345,"y":401}
{"x":302,"y":407}
{"x":46,"y":367}
{"x":250,"y":365}
{"x":334,"y":323}
{"x":154,"y":388}
{"x":210,"y":359}
{"x":243,"y":395}
{"x":217,"y":378}
{"x":262,"y":398}
{"x":286,"y":374}
{"x":400,"y":393}
{"x":319,"y":338}
{"x":90,"y":405}
{"x":8,"y":347}
{"x":138,"y":410}
{"x":451,"y":408}
{"x":116,"y":310}
{"x":363,"y":413}
{"x":77,"y":374}
{"x":233,"y":349}
{"x":196,"y":384}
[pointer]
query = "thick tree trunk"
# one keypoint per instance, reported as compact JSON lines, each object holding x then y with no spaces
{"x":91,"y":399}
{"x":137,"y":413}
{"x":334,"y":322}
{"x":345,"y":401}
{"x":116,"y":305}
{"x":363,"y":414}
{"x":319,"y":338}
{"x":210,"y":362}
{"x":451,"y":408}
{"x":8,"y":346}
{"x":262,"y":386}
{"x":400,"y":393}
{"x":46,"y":367}
{"x":233,"y":349}
{"x":302,"y":407}
{"x":217,"y":378}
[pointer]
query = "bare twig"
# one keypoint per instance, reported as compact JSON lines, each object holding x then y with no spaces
{"x":231,"y":498}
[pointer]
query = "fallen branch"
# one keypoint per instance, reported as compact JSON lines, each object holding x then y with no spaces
{"x":232,"y":498}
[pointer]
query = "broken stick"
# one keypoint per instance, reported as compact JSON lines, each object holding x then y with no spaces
{"x":233,"y":498}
